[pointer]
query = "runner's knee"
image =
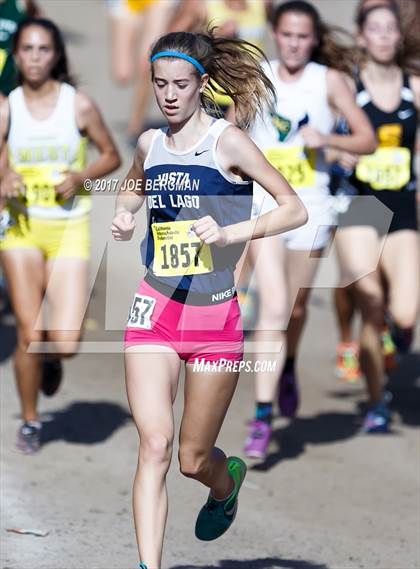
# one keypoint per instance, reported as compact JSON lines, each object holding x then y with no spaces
{"x":63,"y":345}
{"x":27,"y":335}
{"x":272,"y":317}
{"x":353,"y":275}
{"x":404,"y":316}
{"x":299,"y":311}
{"x":370,"y":297}
{"x":155,"y":448}
{"x":192,"y":462}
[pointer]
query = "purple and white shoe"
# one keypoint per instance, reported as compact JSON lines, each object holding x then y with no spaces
{"x":377,"y":420}
{"x":29,"y":437}
{"x":288,"y":398}
{"x":256,"y":444}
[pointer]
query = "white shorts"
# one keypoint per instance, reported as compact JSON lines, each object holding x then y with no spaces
{"x":315,"y":234}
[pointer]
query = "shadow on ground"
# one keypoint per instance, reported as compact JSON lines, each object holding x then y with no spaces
{"x":84,"y":422}
{"x":404,"y":384}
{"x":7,"y":326}
{"x":8,"y":341}
{"x":321,"y":429}
{"x":265,"y":563}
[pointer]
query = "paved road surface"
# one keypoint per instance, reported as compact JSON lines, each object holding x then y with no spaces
{"x":326,"y":498}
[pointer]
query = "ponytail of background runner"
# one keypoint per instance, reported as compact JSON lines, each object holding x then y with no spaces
{"x":233,"y":67}
{"x":335,"y":47}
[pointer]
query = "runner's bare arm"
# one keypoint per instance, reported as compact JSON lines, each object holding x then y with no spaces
{"x":90,"y":122}
{"x":362,"y":138}
{"x":237,"y":152}
{"x":191,"y":15}
{"x":4,"y":159}
{"x":11,"y":184}
{"x":415,"y":85}
{"x":4,"y":122}
{"x":131,"y":193}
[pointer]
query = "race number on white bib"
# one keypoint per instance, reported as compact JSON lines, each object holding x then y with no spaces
{"x":141,"y":312}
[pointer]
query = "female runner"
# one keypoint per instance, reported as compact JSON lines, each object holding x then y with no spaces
{"x":391,"y":98}
{"x":44,"y":126}
{"x":196,"y":177}
{"x":310,"y":90}
{"x":347,"y":366}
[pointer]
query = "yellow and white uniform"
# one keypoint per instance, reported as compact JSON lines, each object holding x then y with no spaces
{"x":299,"y":103}
{"x":41,"y":151}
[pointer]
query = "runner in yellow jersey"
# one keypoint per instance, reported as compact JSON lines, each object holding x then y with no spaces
{"x":46,"y":251}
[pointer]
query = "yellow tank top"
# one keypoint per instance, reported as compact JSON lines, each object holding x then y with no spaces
{"x":251,"y":21}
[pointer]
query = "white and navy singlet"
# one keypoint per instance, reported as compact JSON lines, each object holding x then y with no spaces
{"x":180,"y":188}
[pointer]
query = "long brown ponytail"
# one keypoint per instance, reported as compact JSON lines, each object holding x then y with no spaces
{"x":233,"y":67}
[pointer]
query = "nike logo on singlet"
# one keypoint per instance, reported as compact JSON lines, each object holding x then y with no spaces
{"x":202,"y":152}
{"x":405,"y":114}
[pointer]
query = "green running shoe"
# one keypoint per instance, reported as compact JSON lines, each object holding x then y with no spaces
{"x":216,"y":516}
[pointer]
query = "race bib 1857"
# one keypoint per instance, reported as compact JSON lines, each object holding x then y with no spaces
{"x":178,"y":250}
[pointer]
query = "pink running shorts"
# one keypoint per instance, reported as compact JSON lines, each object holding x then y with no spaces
{"x":207,"y":333}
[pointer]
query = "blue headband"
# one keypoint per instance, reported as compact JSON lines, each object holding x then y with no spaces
{"x":188,"y":58}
